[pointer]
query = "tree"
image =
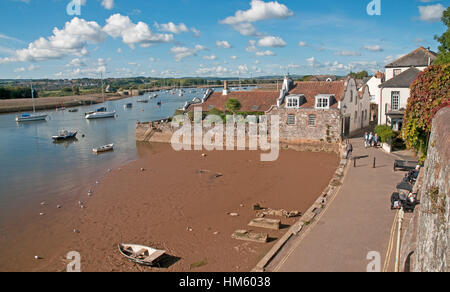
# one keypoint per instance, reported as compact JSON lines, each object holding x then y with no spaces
{"x":233,"y":105}
{"x":359,"y":75}
{"x":429,"y":93}
{"x":444,"y":40}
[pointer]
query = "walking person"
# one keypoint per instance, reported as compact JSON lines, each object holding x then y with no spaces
{"x":375,"y":140}
{"x":370,"y":139}
{"x":349,"y":151}
{"x":366,"y":140}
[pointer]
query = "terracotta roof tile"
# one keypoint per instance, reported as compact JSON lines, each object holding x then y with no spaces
{"x":310,"y":89}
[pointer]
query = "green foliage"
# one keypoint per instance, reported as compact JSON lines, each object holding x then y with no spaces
{"x":429,"y":93}
{"x":444,"y":40}
{"x":233,"y":105}
{"x":385,"y":133}
{"x":359,"y":75}
{"x":16,"y":92}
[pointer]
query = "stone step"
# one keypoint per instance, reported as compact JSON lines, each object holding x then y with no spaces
{"x":250,"y":236}
{"x":272,"y":224}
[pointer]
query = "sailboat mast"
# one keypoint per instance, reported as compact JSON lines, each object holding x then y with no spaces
{"x":32,"y":96}
{"x":103,"y":92}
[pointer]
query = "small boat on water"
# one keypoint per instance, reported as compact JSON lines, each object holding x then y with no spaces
{"x":31,"y":117}
{"x":100,"y":115}
{"x":64,"y":135}
{"x":142,"y":255}
{"x":104,"y":148}
{"x":73,"y":110}
{"x":128,"y":105}
{"x":143,"y":101}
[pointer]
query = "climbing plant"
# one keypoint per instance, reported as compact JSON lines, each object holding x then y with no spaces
{"x":429,"y":93}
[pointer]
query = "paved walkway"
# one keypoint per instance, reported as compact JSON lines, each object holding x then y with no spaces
{"x":358,"y":221}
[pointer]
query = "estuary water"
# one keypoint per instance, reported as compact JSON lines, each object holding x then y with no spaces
{"x":33,"y":168}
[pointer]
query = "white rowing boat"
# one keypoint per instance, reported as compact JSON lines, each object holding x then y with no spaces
{"x":140,"y":254}
{"x":104,"y":148}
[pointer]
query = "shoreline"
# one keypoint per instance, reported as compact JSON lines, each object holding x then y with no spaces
{"x":8,"y":106}
{"x":163,"y":205}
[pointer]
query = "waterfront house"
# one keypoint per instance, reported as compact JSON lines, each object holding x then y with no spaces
{"x":395,"y":92}
{"x":310,"y":111}
{"x":375,"y":94}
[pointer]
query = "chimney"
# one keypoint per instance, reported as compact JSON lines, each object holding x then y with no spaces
{"x":225,"y":88}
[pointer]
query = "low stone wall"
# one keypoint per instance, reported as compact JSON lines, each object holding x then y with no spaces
{"x":162,"y":132}
{"x":433,"y":238}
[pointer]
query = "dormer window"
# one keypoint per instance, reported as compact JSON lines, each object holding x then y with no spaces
{"x":292,"y":102}
{"x":323,"y":101}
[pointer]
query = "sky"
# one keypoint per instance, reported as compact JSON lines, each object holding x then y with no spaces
{"x":205,"y":38}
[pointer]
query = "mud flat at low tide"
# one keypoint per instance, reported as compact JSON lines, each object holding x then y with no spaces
{"x":175,"y":201}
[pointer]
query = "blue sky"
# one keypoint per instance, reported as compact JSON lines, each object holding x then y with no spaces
{"x":176,"y":38}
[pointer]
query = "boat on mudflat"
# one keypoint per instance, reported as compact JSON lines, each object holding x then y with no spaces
{"x":142,"y":255}
{"x":104,"y":148}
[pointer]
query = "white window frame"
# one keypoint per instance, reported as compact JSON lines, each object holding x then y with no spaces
{"x":291,"y":101}
{"x":396,"y":72}
{"x":395,"y":94}
{"x":320,"y":102}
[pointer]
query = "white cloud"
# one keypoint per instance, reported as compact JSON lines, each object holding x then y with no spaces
{"x":376,"y":48}
{"x":121,"y":26}
{"x":265,"y":53}
{"x":234,"y":57}
{"x":108,"y":4}
{"x":271,"y":41}
{"x":431,"y":13}
{"x":172,"y":27}
{"x":259,"y":11}
{"x":71,"y":40}
{"x":302,"y":44}
{"x":219,"y":71}
{"x":347,"y":53}
{"x":223,"y":44}
{"x":196,"y":32}
{"x":211,"y":58}
{"x":181,"y":53}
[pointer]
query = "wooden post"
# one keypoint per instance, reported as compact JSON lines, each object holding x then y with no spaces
{"x":374,"y":162}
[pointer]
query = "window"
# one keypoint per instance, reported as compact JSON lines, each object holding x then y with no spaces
{"x":395,"y":105}
{"x":292,"y":102}
{"x":356,"y":116}
{"x":365,"y":115}
{"x":291,"y":119}
{"x":397,"y":72}
{"x":312,"y":120}
{"x":323,"y":102}
{"x":351,"y":96}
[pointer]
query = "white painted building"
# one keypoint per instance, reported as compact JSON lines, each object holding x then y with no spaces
{"x":394,"y":92}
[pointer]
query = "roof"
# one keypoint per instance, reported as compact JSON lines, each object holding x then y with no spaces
{"x":311,"y":89}
{"x":402,"y":80}
{"x":251,"y":101}
{"x":420,"y":57}
{"x":322,"y":78}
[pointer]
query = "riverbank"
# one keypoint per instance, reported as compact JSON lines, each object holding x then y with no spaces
{"x":51,"y":103}
{"x":173,"y":206}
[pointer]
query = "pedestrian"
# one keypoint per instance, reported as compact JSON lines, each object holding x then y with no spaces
{"x":366,"y":140}
{"x":370,"y":139}
{"x":349,"y":150}
{"x":375,"y":140}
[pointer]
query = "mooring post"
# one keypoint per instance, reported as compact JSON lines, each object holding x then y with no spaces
{"x":374,"y":162}
{"x":354,"y":162}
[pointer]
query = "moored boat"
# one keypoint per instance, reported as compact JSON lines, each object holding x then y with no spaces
{"x":31,"y":117}
{"x":100,"y":115}
{"x":104,"y":148}
{"x":63,"y":135}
